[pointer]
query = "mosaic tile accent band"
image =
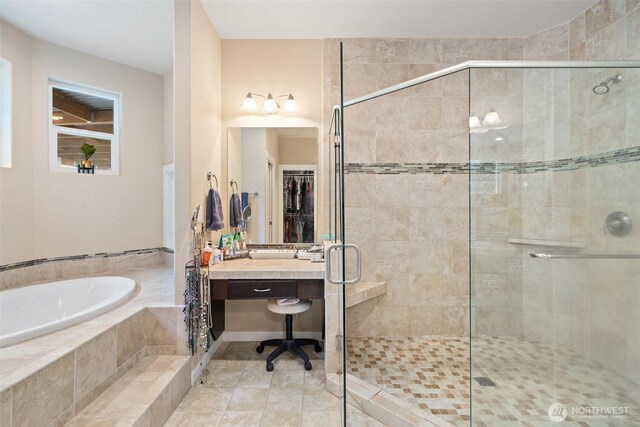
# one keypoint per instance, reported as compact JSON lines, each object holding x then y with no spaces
{"x":33,"y":262}
{"x":614,"y":157}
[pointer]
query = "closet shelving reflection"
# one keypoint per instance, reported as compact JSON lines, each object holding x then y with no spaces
{"x":298,"y":207}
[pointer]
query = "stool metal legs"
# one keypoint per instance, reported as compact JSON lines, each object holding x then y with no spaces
{"x":289,"y":344}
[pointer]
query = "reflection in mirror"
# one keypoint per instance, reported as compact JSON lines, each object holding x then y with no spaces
{"x":276,"y":172}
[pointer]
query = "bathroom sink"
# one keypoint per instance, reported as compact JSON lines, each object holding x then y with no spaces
{"x":272,"y":253}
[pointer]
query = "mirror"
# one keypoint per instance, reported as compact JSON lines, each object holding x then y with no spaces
{"x":277,"y":174}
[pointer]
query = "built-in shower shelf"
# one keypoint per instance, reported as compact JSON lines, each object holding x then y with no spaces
{"x":552,"y":243}
{"x":364,"y":291}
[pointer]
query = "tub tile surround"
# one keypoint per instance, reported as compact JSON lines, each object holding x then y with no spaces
{"x":75,"y":365}
{"x":61,"y":268}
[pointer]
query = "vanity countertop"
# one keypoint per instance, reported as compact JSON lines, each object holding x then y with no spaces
{"x":248,"y":268}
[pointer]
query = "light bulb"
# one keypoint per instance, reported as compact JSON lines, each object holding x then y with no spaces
{"x":474,"y":122}
{"x":249,"y":104}
{"x":291,"y":106}
{"x":270,"y":105}
{"x":491,"y":118}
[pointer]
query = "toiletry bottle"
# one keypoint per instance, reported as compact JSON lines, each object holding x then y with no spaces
{"x":217,"y":256}
{"x":206,"y":254}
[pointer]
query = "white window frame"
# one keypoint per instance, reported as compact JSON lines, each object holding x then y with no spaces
{"x":54,"y":130}
{"x":5,"y":114}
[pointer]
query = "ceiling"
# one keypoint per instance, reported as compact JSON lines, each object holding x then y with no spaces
{"x":139,"y":33}
{"x":309,"y":19}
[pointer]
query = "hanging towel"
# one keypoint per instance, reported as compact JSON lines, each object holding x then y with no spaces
{"x":235,"y":216}
{"x":215,"y":219}
{"x":245,"y":200}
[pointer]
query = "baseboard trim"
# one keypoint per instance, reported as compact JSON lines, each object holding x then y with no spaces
{"x":266,"y":335}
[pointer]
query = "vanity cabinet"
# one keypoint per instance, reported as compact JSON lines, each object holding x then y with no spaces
{"x":237,"y":289}
{"x":255,"y":279}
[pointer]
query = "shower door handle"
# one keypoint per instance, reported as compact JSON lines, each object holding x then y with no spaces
{"x":327,"y":263}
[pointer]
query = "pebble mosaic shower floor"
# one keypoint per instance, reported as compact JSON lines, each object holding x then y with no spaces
{"x":433,"y":373}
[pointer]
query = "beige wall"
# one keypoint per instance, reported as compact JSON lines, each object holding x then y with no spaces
{"x":197,"y":115}
{"x":298,"y":151}
{"x":168,"y":114}
{"x":277,"y":66}
{"x":17,"y":231}
{"x":58,"y":214}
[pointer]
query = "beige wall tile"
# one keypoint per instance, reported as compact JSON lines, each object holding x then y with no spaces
{"x":603,"y":13}
{"x":425,"y":190}
{"x":455,"y":110}
{"x":360,"y":51}
{"x":359,"y":146}
{"x":425,"y":224}
{"x":359,"y":79}
{"x":392,"y":190}
{"x":425,"y":289}
{"x":130,"y":336}
{"x":160,"y":325}
{"x":392,"y":50}
{"x":5,"y":407}
{"x":394,"y":146}
{"x":458,"y":50}
{"x":607,"y":44}
{"x":425,"y":146}
{"x":515,"y":49}
{"x":425,"y":113}
{"x":95,"y":362}
{"x":432,"y":88}
{"x":425,"y":51}
{"x":577,"y":30}
{"x":547,"y":44}
{"x":455,"y":321}
{"x":492,"y":49}
{"x":633,"y":35}
{"x":45,"y":395}
{"x":391,"y":74}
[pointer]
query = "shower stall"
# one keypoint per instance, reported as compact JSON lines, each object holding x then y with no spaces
{"x":499,"y":202}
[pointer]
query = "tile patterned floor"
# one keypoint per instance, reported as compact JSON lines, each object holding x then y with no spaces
{"x":433,"y":373}
{"x":237,"y":391}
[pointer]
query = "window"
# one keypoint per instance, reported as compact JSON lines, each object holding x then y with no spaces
{"x":79,"y":115}
{"x":5,"y":113}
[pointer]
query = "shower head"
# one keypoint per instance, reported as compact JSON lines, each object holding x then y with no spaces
{"x":603,"y":87}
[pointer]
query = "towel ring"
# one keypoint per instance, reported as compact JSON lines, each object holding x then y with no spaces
{"x":236,"y":183}
{"x":209,"y":175}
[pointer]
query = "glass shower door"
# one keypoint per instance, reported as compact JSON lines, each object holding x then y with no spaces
{"x":555,"y":295}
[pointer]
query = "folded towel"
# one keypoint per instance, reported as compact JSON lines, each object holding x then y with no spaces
{"x":215,"y":219}
{"x":235,"y":216}
{"x":288,"y":301}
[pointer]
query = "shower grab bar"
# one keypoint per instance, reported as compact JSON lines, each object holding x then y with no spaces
{"x":583,"y":256}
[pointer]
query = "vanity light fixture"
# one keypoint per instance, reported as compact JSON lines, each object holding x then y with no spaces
{"x":490,"y":121}
{"x":270,"y":105}
{"x":492,"y":118}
